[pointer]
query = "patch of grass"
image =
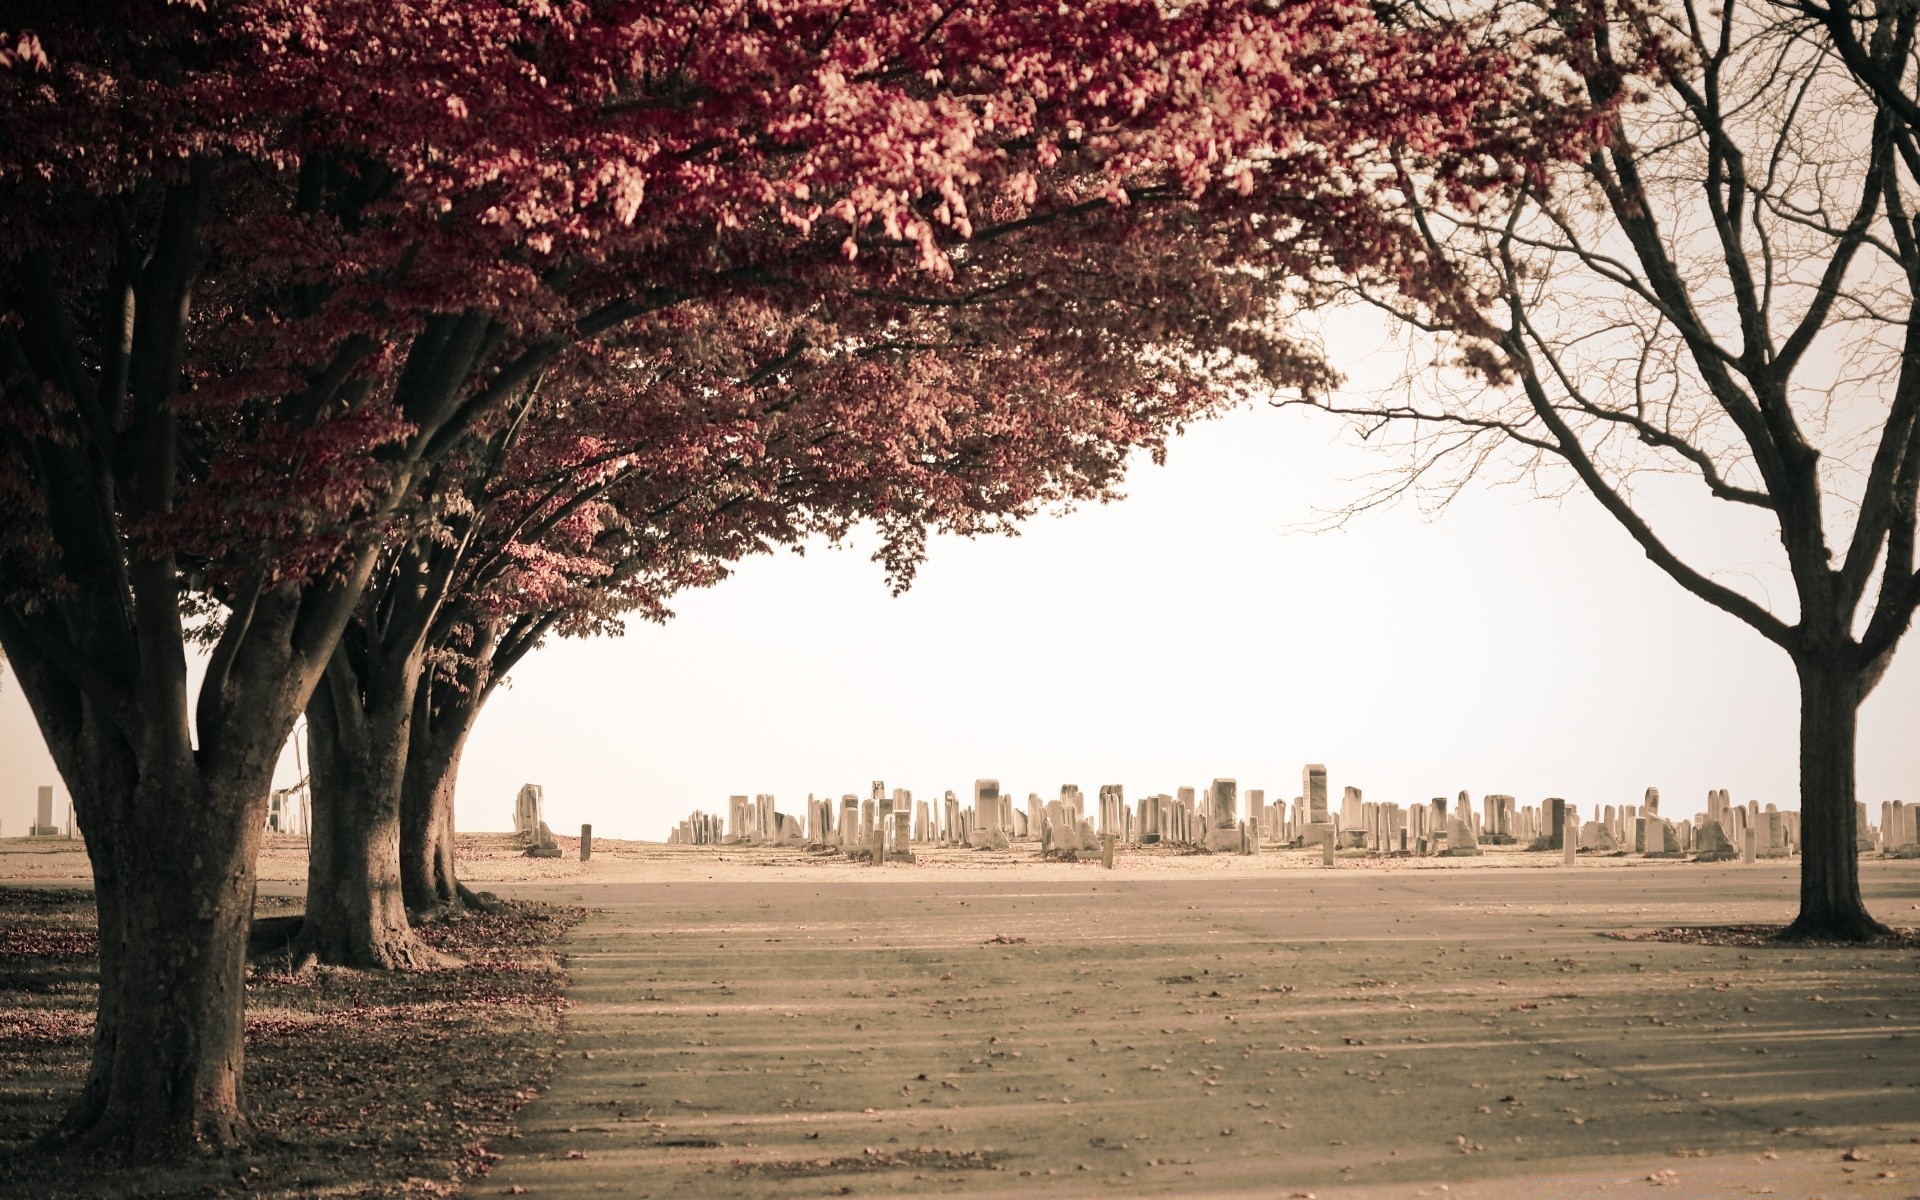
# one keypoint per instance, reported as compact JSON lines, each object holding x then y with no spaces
{"x":358,"y":1083}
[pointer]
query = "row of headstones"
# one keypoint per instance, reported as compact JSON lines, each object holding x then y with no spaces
{"x":1899,"y":828}
{"x":1721,"y":832}
{"x":1188,"y":820}
{"x":699,"y":829}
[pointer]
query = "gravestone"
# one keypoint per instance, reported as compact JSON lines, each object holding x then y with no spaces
{"x":1149,"y":820}
{"x":1570,"y":835}
{"x":1461,"y":841}
{"x":586,"y":842}
{"x":986,"y":813}
{"x":1223,"y":803}
{"x":1313,"y":793}
{"x":43,"y":825}
{"x":851,"y":836}
{"x":1351,"y":803}
{"x":542,"y":844}
{"x":526,"y":810}
{"x":1324,"y":832}
{"x":1713,"y":845}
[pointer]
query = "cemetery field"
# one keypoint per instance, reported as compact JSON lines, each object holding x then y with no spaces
{"x":773,"y":1023}
{"x":1210,"y":1029}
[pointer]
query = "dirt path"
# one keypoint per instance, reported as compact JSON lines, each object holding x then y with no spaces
{"x":1339,"y":1033}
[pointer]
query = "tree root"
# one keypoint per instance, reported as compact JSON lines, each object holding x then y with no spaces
{"x":391,"y":954}
{"x":486,"y":902}
{"x":1858,"y":928}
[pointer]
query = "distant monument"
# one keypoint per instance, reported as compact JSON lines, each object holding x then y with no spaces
{"x":528,"y":824}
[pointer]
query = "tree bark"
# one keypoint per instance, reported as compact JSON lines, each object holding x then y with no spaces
{"x":356,"y":913}
{"x":429,"y":874}
{"x":1830,"y":902}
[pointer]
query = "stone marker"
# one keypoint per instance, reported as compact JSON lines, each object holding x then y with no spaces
{"x":43,"y":825}
{"x":1751,"y":835}
{"x":1324,"y":833}
{"x":1106,"y":850}
{"x":526,"y":809}
{"x":986,"y":813}
{"x":850,"y":831}
{"x":1313,"y":792}
{"x":586,"y":842}
{"x":1223,"y":803}
{"x":1461,"y":842}
{"x":1570,"y":832}
{"x":543,"y":845}
{"x":1557,"y":824}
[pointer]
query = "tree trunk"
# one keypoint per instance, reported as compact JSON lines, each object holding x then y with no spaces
{"x":1830,"y":903}
{"x":356,"y":914}
{"x":173,"y":853}
{"x":429,"y":876}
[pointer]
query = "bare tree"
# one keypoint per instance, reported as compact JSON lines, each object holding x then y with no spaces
{"x":1708,"y":314}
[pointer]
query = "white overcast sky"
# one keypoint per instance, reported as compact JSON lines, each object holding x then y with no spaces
{"x":1185,"y":633}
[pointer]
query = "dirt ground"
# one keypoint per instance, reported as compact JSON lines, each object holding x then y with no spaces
{"x":774,"y":1024}
{"x":357,"y":1084}
{"x":1198,"y":1028}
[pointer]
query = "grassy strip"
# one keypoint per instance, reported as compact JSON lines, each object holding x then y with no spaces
{"x":358,"y":1083}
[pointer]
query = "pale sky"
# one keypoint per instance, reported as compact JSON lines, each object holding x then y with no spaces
{"x":1188,"y":632}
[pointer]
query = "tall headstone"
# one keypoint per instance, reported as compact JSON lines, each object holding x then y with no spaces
{"x":526,"y":810}
{"x":586,"y":842}
{"x":987,"y":811}
{"x":1569,"y":832}
{"x":1556,"y":822}
{"x":852,"y":835}
{"x":43,"y":825}
{"x":1223,"y":803}
{"x":1351,"y":803}
{"x":1313,"y":791}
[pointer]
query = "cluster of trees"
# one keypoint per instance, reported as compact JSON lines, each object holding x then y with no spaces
{"x":364,"y":347}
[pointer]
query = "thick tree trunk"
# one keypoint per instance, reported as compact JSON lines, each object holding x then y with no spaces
{"x":1830,"y":903}
{"x":173,"y":854}
{"x":429,"y":875}
{"x":356,"y":913}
